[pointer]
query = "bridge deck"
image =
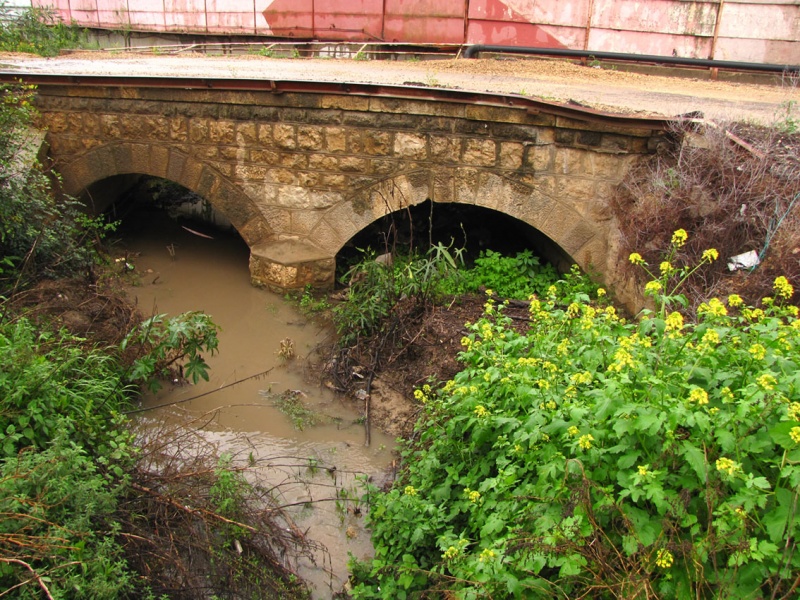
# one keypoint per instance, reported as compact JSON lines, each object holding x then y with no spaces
{"x":552,"y":83}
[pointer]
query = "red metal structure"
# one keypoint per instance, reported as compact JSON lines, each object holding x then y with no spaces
{"x":759,"y":31}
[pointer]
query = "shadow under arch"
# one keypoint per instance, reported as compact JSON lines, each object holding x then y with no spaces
{"x":129,"y":159}
{"x":573,"y":234}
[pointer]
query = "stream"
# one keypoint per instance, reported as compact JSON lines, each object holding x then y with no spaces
{"x":179,"y":271}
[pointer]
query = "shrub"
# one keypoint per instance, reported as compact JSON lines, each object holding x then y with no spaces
{"x":57,"y":534}
{"x":595,"y":457}
{"x":51,"y":385}
{"x":516,"y":276}
{"x":38,"y":30}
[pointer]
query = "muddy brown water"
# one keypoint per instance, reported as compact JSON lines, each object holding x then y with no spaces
{"x":179,"y":271}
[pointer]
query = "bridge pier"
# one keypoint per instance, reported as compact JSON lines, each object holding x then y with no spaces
{"x":288,"y":265}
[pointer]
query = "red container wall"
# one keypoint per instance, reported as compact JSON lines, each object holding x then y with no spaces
{"x":744,"y":30}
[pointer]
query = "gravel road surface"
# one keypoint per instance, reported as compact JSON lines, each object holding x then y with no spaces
{"x":550,"y":80}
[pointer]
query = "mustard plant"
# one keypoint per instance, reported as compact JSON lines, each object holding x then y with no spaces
{"x":593,"y":456}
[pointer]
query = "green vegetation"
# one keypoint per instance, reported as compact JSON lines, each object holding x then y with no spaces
{"x":595,"y":457}
{"x":89,"y":509}
{"x":38,"y":30}
{"x":516,"y":276}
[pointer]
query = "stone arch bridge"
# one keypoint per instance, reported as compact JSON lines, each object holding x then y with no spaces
{"x":299,"y":167}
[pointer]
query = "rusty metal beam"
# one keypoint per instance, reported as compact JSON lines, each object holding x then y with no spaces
{"x":407,"y":92}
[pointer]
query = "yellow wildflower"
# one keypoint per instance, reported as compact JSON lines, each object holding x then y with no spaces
{"x":642,"y":469}
{"x":573,"y":431}
{"x":710,"y":255}
{"x":652,"y":287}
{"x":450,"y":553}
{"x":726,"y":465}
{"x":480,"y":411}
{"x":698,"y":395}
{"x":757,"y":351}
{"x":636,"y":258}
{"x":486,"y":555}
{"x":794,"y":433}
{"x":679,"y":237}
{"x":585,"y":441}
{"x":735,"y":300}
{"x":472,"y":495}
{"x":674,"y":321}
{"x":783,"y":288}
{"x":410,"y":491}
{"x":600,"y":292}
{"x":767,"y":381}
{"x":664,"y":559}
{"x":794,"y":411}
{"x":715,"y":307}
{"x":665,"y":267}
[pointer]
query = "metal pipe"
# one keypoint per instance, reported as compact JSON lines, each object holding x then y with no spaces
{"x":474,"y":50}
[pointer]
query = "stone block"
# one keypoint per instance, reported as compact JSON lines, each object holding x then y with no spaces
{"x":199,"y":131}
{"x":323,"y":162}
{"x":222,"y":132}
{"x":251,"y":172}
{"x":159,"y":159}
{"x":178,"y":129}
{"x":410,"y":145}
{"x":569,"y":161}
{"x":353,"y":164}
{"x":478,"y":152}
{"x":284,"y":136}
{"x":266,"y":157}
{"x":265,"y":133}
{"x":348,"y":103}
{"x":335,"y":139}
{"x":478,"y":112}
{"x":309,"y":138}
{"x":511,"y":154}
{"x":540,"y":158}
{"x":246,"y":134}
{"x":290,"y":160}
{"x":376,"y":143}
{"x":281,"y":176}
{"x":445,"y":149}
{"x":111,"y":126}
{"x":176,"y":163}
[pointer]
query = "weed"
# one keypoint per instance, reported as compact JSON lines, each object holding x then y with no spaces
{"x":590,"y":450}
{"x":290,"y":403}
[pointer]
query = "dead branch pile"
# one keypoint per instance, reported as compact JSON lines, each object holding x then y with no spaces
{"x":732,"y":187}
{"x":193,"y":528}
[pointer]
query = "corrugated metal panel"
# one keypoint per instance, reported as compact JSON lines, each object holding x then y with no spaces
{"x":185,"y":15}
{"x":661,"y":16}
{"x":231,"y":17}
{"x":639,"y":42}
{"x":745,"y":21}
{"x":425,"y":21}
{"x":749,"y":30}
{"x":290,"y":18}
{"x":355,"y":19}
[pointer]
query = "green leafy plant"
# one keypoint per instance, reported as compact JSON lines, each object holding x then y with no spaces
{"x":597,"y":457}
{"x":516,"y":276}
{"x":376,"y":288}
{"x":172,"y":348}
{"x":38,"y":30}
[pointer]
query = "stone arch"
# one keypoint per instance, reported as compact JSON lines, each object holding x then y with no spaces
{"x":583,"y":241}
{"x":168,"y":163}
